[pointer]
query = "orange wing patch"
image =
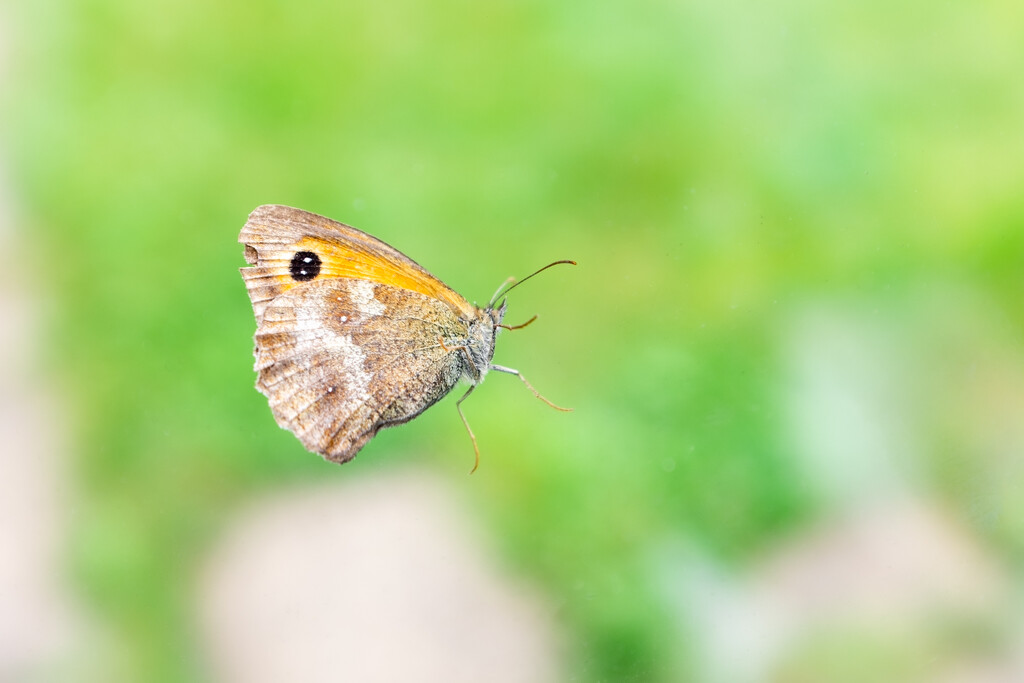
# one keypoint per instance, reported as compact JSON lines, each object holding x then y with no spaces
{"x":273,"y":236}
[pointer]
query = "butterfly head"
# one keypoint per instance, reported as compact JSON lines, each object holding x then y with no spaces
{"x":483,"y":331}
{"x":496,"y":313}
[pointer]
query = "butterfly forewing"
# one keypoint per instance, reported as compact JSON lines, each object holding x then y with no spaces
{"x":274,"y":235}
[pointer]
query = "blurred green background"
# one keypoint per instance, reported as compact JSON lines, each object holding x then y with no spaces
{"x":775,"y":207}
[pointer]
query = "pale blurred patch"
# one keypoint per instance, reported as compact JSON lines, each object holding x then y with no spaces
{"x":891,"y":582}
{"x":895,"y":592}
{"x":40,"y":624}
{"x":376,"y":579}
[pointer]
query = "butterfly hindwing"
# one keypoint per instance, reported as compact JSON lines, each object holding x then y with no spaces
{"x":340,"y":358}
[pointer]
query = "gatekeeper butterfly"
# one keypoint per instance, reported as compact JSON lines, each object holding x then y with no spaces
{"x":353,"y":336}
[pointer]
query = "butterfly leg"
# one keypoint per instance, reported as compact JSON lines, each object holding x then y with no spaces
{"x":510,"y":371}
{"x":476,"y":449}
{"x":518,"y":327}
{"x":465,"y":352}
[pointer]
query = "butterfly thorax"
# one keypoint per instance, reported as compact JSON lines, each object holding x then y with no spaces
{"x":483,"y":330}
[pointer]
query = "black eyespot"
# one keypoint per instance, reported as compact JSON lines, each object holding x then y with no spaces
{"x":305,"y":266}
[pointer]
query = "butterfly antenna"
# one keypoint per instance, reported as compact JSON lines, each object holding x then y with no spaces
{"x":512,"y":283}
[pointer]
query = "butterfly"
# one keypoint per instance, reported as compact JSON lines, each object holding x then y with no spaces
{"x":353,"y":336}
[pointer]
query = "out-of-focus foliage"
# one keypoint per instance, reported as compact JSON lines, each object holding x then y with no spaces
{"x":726,"y":174}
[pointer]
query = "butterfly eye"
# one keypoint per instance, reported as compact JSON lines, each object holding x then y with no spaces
{"x":305,"y":266}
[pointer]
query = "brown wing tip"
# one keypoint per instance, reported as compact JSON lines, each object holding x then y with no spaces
{"x":263,"y":209}
{"x":261,"y":215}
